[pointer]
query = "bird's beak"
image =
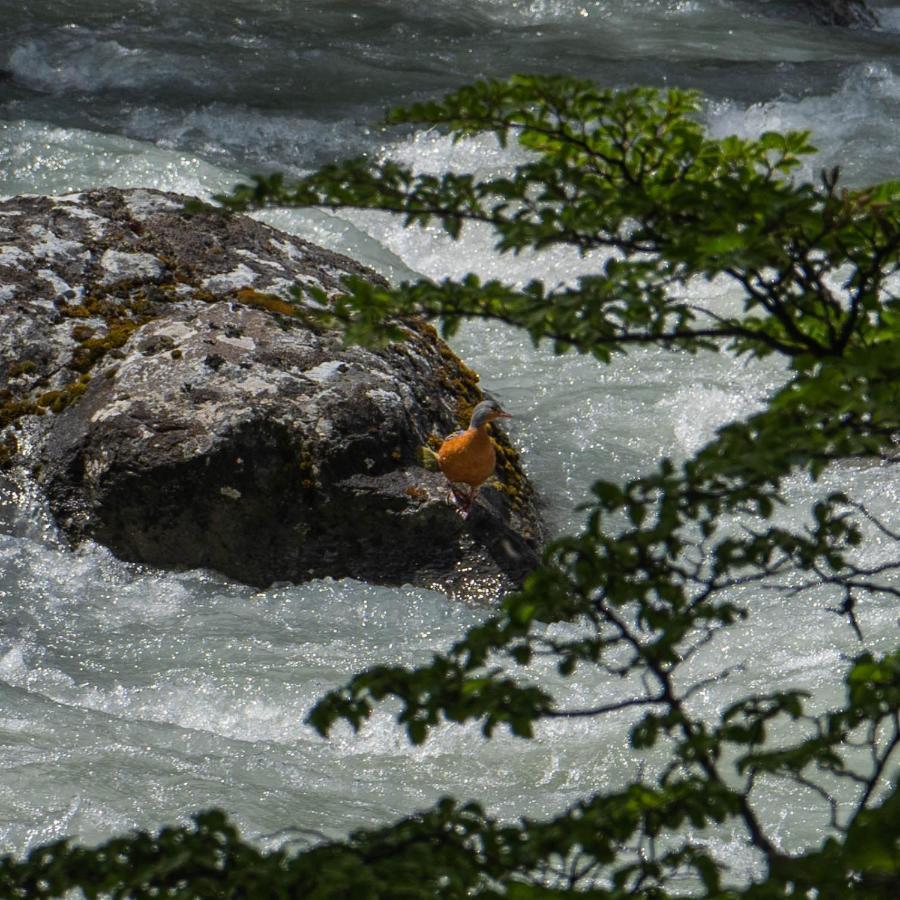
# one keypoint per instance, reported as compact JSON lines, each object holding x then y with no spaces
{"x":503,"y":415}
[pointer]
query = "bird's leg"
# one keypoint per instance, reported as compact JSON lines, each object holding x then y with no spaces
{"x":462,"y":498}
{"x":469,"y":500}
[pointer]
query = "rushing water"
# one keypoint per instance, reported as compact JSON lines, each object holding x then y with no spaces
{"x":132,"y":697}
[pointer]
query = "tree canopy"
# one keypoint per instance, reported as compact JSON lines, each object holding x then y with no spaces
{"x":666,"y":562}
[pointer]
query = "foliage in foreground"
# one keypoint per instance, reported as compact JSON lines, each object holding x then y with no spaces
{"x":665,"y":563}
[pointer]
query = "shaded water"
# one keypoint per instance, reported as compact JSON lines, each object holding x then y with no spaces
{"x":131,"y":697}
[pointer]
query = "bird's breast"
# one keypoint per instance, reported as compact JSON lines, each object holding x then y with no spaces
{"x":468,"y":457}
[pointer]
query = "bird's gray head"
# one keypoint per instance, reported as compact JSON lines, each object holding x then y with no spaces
{"x":487,"y":411}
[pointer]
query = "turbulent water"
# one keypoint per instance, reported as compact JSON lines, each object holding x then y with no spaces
{"x":131,"y":697}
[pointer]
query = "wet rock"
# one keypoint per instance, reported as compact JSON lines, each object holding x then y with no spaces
{"x":167,"y":391}
{"x":842,"y":13}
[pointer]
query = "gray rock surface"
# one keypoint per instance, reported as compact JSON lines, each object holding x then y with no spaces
{"x":161,"y":384}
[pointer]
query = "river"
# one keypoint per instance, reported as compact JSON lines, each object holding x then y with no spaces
{"x":131,"y":697}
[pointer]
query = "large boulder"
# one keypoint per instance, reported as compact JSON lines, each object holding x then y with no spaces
{"x":159,"y":381}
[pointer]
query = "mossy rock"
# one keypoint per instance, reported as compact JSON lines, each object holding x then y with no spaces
{"x":182,"y":407}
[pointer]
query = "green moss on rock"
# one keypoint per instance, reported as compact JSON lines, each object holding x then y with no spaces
{"x":21,"y":367}
{"x":9,"y":447}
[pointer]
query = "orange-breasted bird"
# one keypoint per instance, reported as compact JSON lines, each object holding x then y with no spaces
{"x":468,"y":457}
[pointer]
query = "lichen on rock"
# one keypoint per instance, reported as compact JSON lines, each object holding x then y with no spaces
{"x":157,"y":382}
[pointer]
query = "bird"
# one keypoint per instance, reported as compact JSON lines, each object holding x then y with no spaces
{"x":468,"y":457}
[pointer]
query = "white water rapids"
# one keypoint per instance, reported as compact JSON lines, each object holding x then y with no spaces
{"x":131,"y":697}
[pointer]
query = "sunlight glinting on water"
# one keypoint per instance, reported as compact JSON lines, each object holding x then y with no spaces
{"x":132,"y":697}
